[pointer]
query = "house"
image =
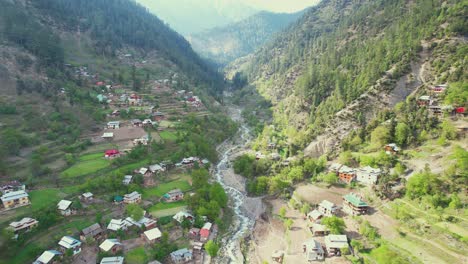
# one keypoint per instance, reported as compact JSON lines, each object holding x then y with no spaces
{"x":147,"y":122}
{"x":111,"y":153}
{"x":87,"y":196}
{"x":132,"y":198}
{"x":346,"y":174}
{"x":137,"y":122}
{"x":15,"y":199}
{"x":118,"y":224}
{"x":112,"y":260}
{"x":48,"y":257}
{"x":111,"y":245}
{"x":113,"y":125}
{"x":69,"y":243}
{"x":319,"y":230}
{"x":205,"y":232}
{"x":313,"y":250}
{"x":64,"y":207}
{"x":118,"y":199}
{"x":334,"y":244}
{"x":197,"y":246}
{"x":12,"y":186}
{"x":181,"y":256}
{"x":127,"y":179}
{"x":460,"y":111}
{"x":174,"y":196}
{"x":156,"y":168}
{"x":141,"y":141}
{"x":148,"y":223}
{"x":335,"y":167}
{"x":182,"y":215}
{"x":327,"y":208}
{"x":93,"y":232}
{"x":368,"y":175}
{"x":23,"y":225}
{"x":158,"y":116}
{"x":354,"y":205}
{"x":152,"y":235}
{"x":115,"y":113}
{"x":391,"y":148}
{"x":259,"y":155}
{"x":135,"y":99}
{"x":438,"y":89}
{"x":424,"y":100}
{"x":108,"y":135}
{"x":144,"y":171}
{"x":194,"y":233}
{"x":278,"y":256}
{"x":314,"y":215}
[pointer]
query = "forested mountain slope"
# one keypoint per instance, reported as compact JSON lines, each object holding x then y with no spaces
{"x":225,"y":44}
{"x":344,"y":54}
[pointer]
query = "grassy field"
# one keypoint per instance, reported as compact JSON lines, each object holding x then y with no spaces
{"x":164,"y":206}
{"x":165,"y":187}
{"x":167,"y":212}
{"x":44,"y":198}
{"x":86,"y":164}
{"x":167,"y":135}
{"x":137,"y":256}
{"x":166,"y":124}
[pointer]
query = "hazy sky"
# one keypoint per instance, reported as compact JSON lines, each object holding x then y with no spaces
{"x":281,"y":5}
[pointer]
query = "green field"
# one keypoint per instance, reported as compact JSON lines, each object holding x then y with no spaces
{"x":164,"y":206}
{"x":44,"y":198}
{"x":160,"y":190}
{"x":167,"y":212}
{"x":137,"y":256}
{"x":167,"y":135}
{"x":87,"y":164}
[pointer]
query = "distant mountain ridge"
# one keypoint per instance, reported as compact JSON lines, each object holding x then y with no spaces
{"x":189,"y":17}
{"x":225,"y":44}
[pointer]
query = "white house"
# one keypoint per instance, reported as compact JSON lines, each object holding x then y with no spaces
{"x":152,"y":235}
{"x":24,"y":224}
{"x":47,"y":257}
{"x":118,"y":224}
{"x":132,"y":198}
{"x":113,"y":260}
{"x":113,"y":125}
{"x":68,"y":242}
{"x":334,"y":244}
{"x":112,"y":245}
{"x":327,"y":208}
{"x":127,"y":179}
{"x":368,"y":175}
{"x":64,"y":207}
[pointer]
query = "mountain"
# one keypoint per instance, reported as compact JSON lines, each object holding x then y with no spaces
{"x":225,"y":44}
{"x":188,"y":17}
{"x":344,"y":60}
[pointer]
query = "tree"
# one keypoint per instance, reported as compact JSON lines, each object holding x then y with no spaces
{"x":357,"y":245}
{"x":282,"y":212}
{"x":212,"y":248}
{"x":296,"y":174}
{"x":288,"y":223}
{"x":200,"y":178}
{"x":380,"y":136}
{"x":134,"y":211}
{"x":455,"y":202}
{"x":305,"y":208}
{"x":218,"y":194}
{"x":402,"y":131}
{"x":335,"y":224}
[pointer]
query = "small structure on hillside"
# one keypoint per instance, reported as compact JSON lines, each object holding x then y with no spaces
{"x":368,"y":175}
{"x":87,"y":196}
{"x":93,"y":232}
{"x":439,"y":89}
{"x":108,"y":135}
{"x":127,"y":179}
{"x":111,"y":153}
{"x":181,"y":256}
{"x":12,"y":186}
{"x":24,"y":225}
{"x":205,"y":232}
{"x":49,"y":256}
{"x":173,"y":196}
{"x":70,"y":243}
{"x":327,"y":208}
{"x":137,"y":122}
{"x":118,"y":224}
{"x":346,"y":174}
{"x":111,"y":245}
{"x":424,"y":100}
{"x":319,"y":230}
{"x":182,"y":215}
{"x":64,"y":207}
{"x":194,"y":233}
{"x":392,"y":148}
{"x":314,"y":215}
{"x":113,"y":260}
{"x":113,"y":125}
{"x":354,"y":205}
{"x":334,"y":244}
{"x":278,"y":256}
{"x":313,"y":250}
{"x":152,"y":235}
{"x":132,"y":198}
{"x":15,"y":199}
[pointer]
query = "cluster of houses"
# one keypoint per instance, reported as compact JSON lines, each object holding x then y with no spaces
{"x":365,"y":175}
{"x":14,"y":195}
{"x":191,"y":161}
{"x":353,"y":204}
{"x":189,"y":98}
{"x":432,"y":103}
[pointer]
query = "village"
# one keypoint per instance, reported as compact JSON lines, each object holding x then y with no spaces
{"x":135,"y":120}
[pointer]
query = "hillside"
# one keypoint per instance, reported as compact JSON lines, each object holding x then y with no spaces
{"x":189,"y":17}
{"x":225,"y":44}
{"x":338,"y":53}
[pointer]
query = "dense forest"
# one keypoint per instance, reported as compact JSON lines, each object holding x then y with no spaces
{"x":329,"y":57}
{"x":227,"y":43}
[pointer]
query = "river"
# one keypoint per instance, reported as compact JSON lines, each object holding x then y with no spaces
{"x":245,"y":209}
